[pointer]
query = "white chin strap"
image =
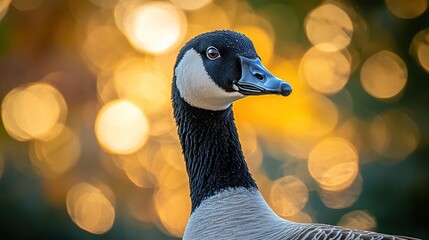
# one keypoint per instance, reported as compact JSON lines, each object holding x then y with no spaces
{"x":197,"y":88}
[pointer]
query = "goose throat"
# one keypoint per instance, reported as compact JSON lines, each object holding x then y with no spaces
{"x":213,"y":154}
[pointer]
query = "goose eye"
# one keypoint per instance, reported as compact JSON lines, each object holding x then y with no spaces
{"x":212,"y":53}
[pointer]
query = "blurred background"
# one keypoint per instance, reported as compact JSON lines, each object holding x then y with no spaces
{"x":88,"y":145}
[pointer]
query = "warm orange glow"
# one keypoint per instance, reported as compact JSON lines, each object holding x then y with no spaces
{"x":137,"y":172}
{"x":155,"y":27}
{"x":314,"y":115}
{"x":296,"y":146}
{"x":300,"y":217}
{"x":264,"y":43}
{"x":104,"y":46}
{"x":35,"y":111}
{"x":141,"y":205}
{"x":4,"y":6}
{"x":329,"y":28}
{"x":58,"y":154}
{"x":343,"y":198}
{"x":394,"y":134}
{"x":191,"y":4}
{"x":212,"y":17}
{"x":172,"y":178}
{"x":142,"y":84}
{"x":420,"y":48}
{"x":423,"y":55}
{"x":90,"y":209}
{"x":333,"y":163}
{"x":288,"y":196}
{"x":25,"y":5}
{"x":407,"y":8}
{"x":173,"y":209}
{"x":384,"y":75}
{"x":171,"y":153}
{"x":121,"y":127}
{"x":105,"y":3}
{"x":358,"y":219}
{"x":250,"y":145}
{"x":163,"y":124}
{"x":106,"y":87}
{"x":326,"y":72}
{"x":304,"y":114}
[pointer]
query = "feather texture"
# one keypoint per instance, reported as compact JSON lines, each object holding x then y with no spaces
{"x":242,"y":213}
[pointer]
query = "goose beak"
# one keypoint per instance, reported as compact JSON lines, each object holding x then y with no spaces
{"x":257,"y":80}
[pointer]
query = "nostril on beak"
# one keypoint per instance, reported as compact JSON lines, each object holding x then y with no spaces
{"x":259,"y":76}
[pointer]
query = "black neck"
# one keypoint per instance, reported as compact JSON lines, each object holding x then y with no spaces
{"x":210,"y":144}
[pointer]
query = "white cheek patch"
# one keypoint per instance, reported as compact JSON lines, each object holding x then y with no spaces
{"x":196,"y":86}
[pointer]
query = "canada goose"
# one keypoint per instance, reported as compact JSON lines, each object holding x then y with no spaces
{"x":213,"y":70}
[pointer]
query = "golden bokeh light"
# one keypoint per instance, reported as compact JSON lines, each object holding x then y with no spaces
{"x":191,"y":4}
{"x":326,"y":72}
{"x":420,"y":48}
{"x":173,"y":208}
{"x":35,"y":111}
{"x":394,"y":134}
{"x":264,"y":43}
{"x":384,"y":75}
{"x":106,"y":89}
{"x":137,"y":172}
{"x":299,"y":169}
{"x":155,"y":27}
{"x":141,"y":206}
{"x":142,"y":84}
{"x":154,"y":158}
{"x":288,"y":196}
{"x":329,"y":28}
{"x":104,"y":46}
{"x":105,"y":3}
{"x":305,"y":114}
{"x":298,"y":147}
{"x":56,"y":155}
{"x":171,"y":154}
{"x":26,"y":5}
{"x":163,"y":124}
{"x":350,"y":130}
{"x":4,"y":6}
{"x":300,"y":217}
{"x":314,"y":115}
{"x":172,"y":178}
{"x":333,"y":163}
{"x":358,"y":219}
{"x":423,"y":54}
{"x":208,"y":18}
{"x":343,"y":198}
{"x":121,"y":127}
{"x":407,"y":9}
{"x":250,"y":145}
{"x":90,"y":208}
{"x":356,"y":131}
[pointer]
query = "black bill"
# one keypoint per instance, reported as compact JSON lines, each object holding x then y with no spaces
{"x":257,"y":80}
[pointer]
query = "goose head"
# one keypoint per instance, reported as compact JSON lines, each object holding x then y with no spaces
{"x":217,"y":68}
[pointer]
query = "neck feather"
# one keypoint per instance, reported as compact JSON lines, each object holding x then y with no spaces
{"x":213,"y":154}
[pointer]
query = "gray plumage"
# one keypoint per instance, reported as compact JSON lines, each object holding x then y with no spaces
{"x":242,"y":213}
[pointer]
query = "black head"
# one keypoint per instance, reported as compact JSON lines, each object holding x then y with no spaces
{"x":216,"y":68}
